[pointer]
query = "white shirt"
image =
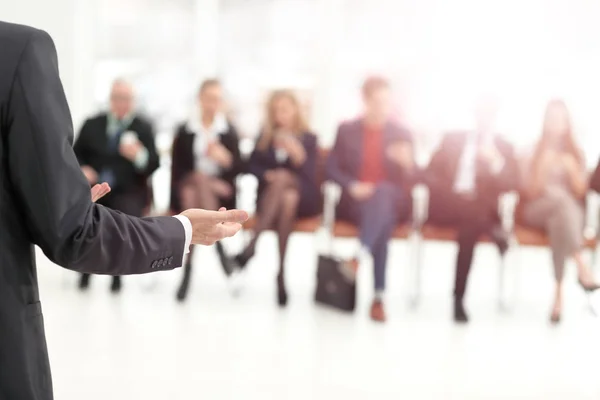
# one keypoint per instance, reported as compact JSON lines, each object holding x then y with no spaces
{"x":204,"y":136}
{"x":465,"y":178}
{"x":467,"y":168}
{"x":187,"y":227}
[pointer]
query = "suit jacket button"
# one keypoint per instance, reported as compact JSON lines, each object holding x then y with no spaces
{"x":154,"y":264}
{"x":170,"y":260}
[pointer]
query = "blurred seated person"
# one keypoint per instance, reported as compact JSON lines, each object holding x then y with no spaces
{"x":466,"y":176}
{"x":284,"y":161}
{"x":205,"y":163}
{"x":554,"y":197}
{"x":117,"y":147}
{"x":372,"y":160}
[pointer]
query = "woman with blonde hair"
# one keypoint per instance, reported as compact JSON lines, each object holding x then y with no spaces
{"x":284,"y":161}
{"x":555,"y":196}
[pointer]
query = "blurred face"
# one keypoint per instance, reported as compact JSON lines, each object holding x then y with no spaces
{"x":121,"y":100}
{"x":378,"y":105}
{"x":211,"y":100}
{"x":284,"y":113}
{"x":557,"y":121}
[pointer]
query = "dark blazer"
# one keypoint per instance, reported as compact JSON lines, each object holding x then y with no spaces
{"x":310,"y":194}
{"x":45,"y":200}
{"x":92,"y":148}
{"x":184,"y":161}
{"x":443,"y":167}
{"x":345,"y":159}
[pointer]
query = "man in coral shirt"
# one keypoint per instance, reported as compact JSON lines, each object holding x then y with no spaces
{"x":372,"y":160}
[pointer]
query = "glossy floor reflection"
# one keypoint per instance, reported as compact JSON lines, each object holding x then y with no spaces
{"x":144,"y":345}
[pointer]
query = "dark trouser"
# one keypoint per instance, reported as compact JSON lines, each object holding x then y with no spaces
{"x":128,"y":203}
{"x":472,"y":217}
{"x":376,"y":218}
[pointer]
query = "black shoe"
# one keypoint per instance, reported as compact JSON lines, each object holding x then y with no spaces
{"x":460,"y":315}
{"x":282,"y":296}
{"x":228,"y":264}
{"x":182,"y":293}
{"x":589,"y":287}
{"x":84,"y":282}
{"x":185,"y":283}
{"x":115,"y":287}
{"x":241,"y":260}
{"x":555,"y":317}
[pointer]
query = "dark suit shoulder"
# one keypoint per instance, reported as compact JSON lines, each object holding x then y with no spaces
{"x":141,"y":122}
{"x":17,"y":32}
{"x":350,"y":126}
{"x":100,"y":117}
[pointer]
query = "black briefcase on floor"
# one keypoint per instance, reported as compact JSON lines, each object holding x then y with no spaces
{"x":336,"y":283}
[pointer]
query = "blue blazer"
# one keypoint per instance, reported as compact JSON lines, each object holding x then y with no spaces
{"x":310,"y":193}
{"x":345,"y":159}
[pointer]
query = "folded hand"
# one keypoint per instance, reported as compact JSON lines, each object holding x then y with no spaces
{"x":100,"y":190}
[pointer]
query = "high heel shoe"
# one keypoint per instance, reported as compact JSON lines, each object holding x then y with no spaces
{"x":282,"y":296}
{"x":589,"y":287}
{"x":555,"y":316}
{"x":242,"y":259}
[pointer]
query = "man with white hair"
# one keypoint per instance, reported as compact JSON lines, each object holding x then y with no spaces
{"x":117,"y":147}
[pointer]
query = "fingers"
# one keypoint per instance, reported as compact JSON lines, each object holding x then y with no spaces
{"x":94,"y":191}
{"x":99,"y":190}
{"x":232,"y":216}
{"x":220,"y":231}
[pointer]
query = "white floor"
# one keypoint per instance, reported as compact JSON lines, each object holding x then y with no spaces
{"x":144,"y":345}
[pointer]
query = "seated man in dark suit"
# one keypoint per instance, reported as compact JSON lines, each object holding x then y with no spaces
{"x":117,"y":147}
{"x":466,"y":176}
{"x":372,"y":160}
{"x":206,"y":161}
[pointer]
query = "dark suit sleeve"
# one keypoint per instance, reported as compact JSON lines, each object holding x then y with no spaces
{"x":178,"y":169}
{"x":308,"y":170}
{"x":52,"y":192}
{"x":332,"y":167}
{"x":261,"y":161}
{"x":233,"y":146}
{"x":437,"y":172}
{"x":509,"y":178}
{"x":80,"y":146}
{"x":146,"y":136}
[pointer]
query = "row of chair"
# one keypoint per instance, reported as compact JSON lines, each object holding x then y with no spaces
{"x":417,"y":229}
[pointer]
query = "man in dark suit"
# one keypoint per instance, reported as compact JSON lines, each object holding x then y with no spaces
{"x":372,"y":160}
{"x":45,"y":200}
{"x":117,"y":147}
{"x":466,"y":176}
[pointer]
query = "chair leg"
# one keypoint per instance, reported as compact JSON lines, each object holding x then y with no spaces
{"x":589,"y":296}
{"x":503,"y":304}
{"x":417,"y":265}
{"x":501,"y":284}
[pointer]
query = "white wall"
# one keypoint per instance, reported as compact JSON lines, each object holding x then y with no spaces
{"x":69,"y":23}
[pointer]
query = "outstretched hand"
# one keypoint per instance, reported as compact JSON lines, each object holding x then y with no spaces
{"x":209,"y":227}
{"x":100,"y":190}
